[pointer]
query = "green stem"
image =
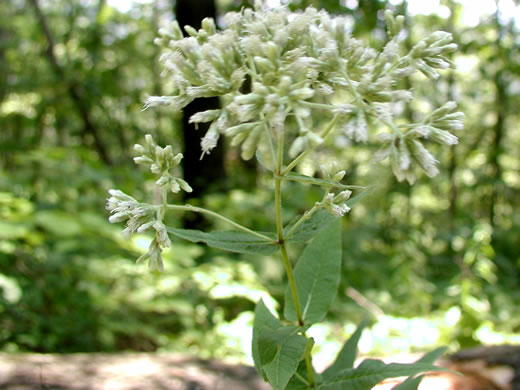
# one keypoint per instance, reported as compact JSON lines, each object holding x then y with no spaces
{"x":302,"y":379}
{"x":292,"y":284}
{"x":278,"y":191}
{"x":326,"y":132}
{"x":283,"y":249}
{"x":303,"y":218}
{"x":189,"y":207}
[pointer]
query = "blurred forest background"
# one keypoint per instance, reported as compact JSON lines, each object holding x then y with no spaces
{"x":436,"y":263}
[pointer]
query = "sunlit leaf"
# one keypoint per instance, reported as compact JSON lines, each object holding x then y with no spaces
{"x":317,"y":275}
{"x":370,"y":372}
{"x":348,"y":353}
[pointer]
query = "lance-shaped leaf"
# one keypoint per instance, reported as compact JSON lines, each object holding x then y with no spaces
{"x":348,"y":353}
{"x":432,"y":356}
{"x":264,"y":322}
{"x":317,"y":275}
{"x":280,"y":353}
{"x":411,"y":383}
{"x":277,"y":349}
{"x":229,"y":240}
{"x":312,"y":226}
{"x":371,"y":372}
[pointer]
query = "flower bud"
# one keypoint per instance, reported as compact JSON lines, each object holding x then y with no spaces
{"x":297,"y":146}
{"x":208,"y":25}
{"x":339,"y":176}
{"x":205,"y":116}
{"x":161,"y":235}
{"x":184,"y":185}
{"x":192,"y":32}
{"x":143,"y":160}
{"x":174,"y":186}
{"x":139,"y":149}
{"x":250,"y":98}
{"x":263,"y":64}
{"x":424,"y":158}
{"x":177,"y":159}
{"x":143,"y":228}
{"x":250,"y":144}
{"x":162,"y":181}
{"x":342,"y":196}
{"x":302,"y":93}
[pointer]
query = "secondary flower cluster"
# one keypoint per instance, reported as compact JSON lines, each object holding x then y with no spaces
{"x":161,"y":161}
{"x":335,"y":204}
{"x":142,"y":217}
{"x":405,"y":150}
{"x":297,"y":63}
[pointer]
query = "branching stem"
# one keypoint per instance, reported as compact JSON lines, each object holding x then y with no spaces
{"x":302,"y":155}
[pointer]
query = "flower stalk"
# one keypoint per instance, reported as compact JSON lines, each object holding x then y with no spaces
{"x":297,"y":64}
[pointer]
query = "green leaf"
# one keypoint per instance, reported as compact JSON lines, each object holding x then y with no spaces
{"x":432,"y":356}
{"x":289,"y":348}
{"x":371,"y":372}
{"x":356,"y":199}
{"x":317,"y":275}
{"x":298,"y":384}
{"x":229,"y":240}
{"x":348,"y":353}
{"x":411,"y":383}
{"x":292,"y":176}
{"x":58,"y":222}
{"x":308,"y":229}
{"x":264,"y":322}
{"x":277,"y":349}
{"x":11,"y":231}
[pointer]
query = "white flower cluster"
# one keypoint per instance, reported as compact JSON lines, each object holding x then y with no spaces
{"x":405,"y":150}
{"x":161,"y":161}
{"x":335,"y":204}
{"x":139,"y":216}
{"x":296,"y":63}
{"x":142,"y":217}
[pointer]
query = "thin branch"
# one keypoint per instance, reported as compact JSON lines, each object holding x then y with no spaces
{"x":72,"y":88}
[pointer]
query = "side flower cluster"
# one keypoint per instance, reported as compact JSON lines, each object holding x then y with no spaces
{"x":161,"y":161}
{"x":335,"y":204}
{"x":142,"y":217}
{"x":406,"y":150}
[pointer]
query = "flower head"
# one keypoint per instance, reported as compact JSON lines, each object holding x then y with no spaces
{"x":125,"y":208}
{"x":161,"y":161}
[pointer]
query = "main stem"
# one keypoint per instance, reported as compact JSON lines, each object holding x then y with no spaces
{"x":283,"y":249}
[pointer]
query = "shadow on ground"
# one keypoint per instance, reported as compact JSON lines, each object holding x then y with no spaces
{"x":135,"y":371}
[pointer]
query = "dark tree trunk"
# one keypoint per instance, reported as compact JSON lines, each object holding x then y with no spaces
{"x":207,"y":174}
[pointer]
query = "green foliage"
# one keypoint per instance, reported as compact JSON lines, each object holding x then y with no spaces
{"x":347,"y":354}
{"x":296,"y":63}
{"x":317,"y":275}
{"x":68,"y":282}
{"x":370,"y":372}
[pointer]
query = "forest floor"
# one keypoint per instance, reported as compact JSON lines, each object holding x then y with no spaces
{"x":122,"y":371}
{"x":486,"y":368}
